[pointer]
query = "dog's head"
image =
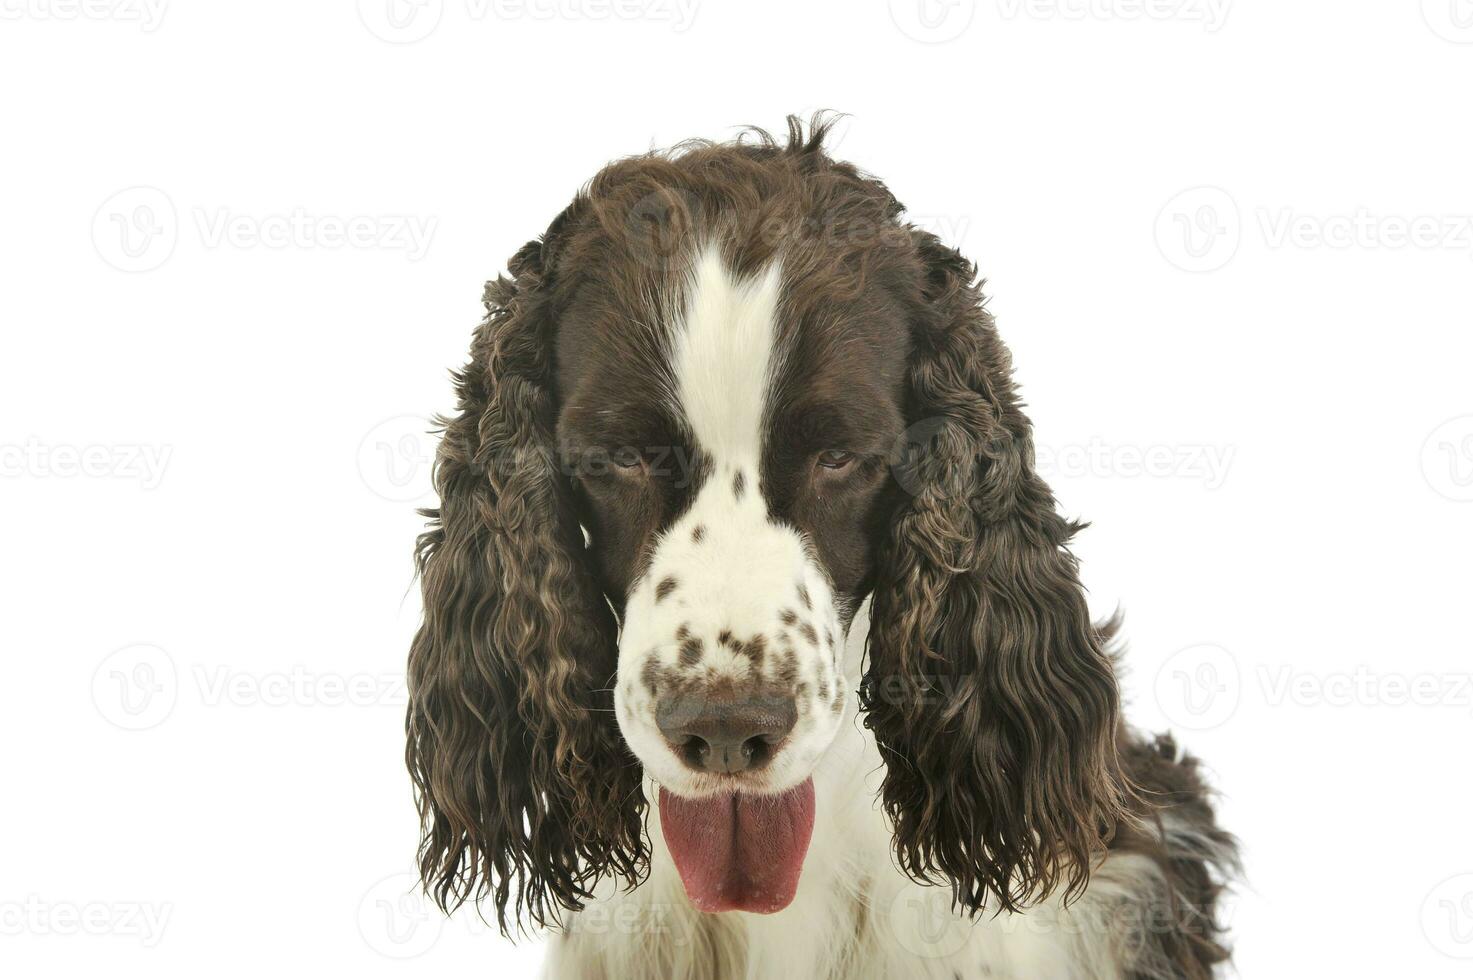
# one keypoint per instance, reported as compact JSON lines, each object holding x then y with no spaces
{"x":725,"y":398}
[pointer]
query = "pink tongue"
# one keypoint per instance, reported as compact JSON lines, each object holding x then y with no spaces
{"x":738,"y":851}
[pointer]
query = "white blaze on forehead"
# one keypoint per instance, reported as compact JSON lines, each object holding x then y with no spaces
{"x":724,"y":358}
{"x":731,"y":595}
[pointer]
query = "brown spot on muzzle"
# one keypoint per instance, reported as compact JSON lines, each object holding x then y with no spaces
{"x":691,"y":651}
{"x":755,"y":650}
{"x":649,"y":674}
{"x":787,"y":671}
{"x":666,"y":586}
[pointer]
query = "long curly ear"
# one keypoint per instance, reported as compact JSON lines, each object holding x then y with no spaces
{"x":525,"y":790}
{"x":987,"y":689}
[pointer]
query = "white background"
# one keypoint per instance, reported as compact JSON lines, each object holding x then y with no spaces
{"x":1194,"y":219}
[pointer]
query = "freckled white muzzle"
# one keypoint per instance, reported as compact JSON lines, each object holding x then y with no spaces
{"x":730,"y":638}
{"x":729,"y":686}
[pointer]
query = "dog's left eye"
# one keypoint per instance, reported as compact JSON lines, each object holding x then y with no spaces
{"x":626,"y":458}
{"x":835,"y":459}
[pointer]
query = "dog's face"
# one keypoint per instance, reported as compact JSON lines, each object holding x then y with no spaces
{"x":734,"y":477}
{"x":728,"y":396}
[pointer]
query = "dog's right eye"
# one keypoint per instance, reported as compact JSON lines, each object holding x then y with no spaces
{"x":835,"y":459}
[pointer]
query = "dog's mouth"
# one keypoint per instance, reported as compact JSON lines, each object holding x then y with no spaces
{"x":739,"y":851}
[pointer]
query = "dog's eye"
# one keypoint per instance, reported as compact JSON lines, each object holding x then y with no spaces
{"x":835,"y":460}
{"x":626,"y":458}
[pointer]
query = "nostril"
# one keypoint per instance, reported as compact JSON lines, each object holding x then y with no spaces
{"x":757,"y":750}
{"x":694,"y":751}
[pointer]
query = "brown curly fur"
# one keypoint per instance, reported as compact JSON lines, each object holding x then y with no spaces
{"x":1190,"y":938}
{"x":1012,"y":788}
{"x":518,"y":766}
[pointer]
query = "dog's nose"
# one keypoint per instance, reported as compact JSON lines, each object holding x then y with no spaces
{"x":725,"y":734}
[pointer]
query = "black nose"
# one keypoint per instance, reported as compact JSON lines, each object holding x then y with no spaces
{"x":725,"y":734}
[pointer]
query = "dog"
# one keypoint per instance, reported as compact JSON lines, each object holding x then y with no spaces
{"x":752,"y":643}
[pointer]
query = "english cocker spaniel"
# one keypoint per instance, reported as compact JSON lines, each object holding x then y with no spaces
{"x":752,"y":643}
